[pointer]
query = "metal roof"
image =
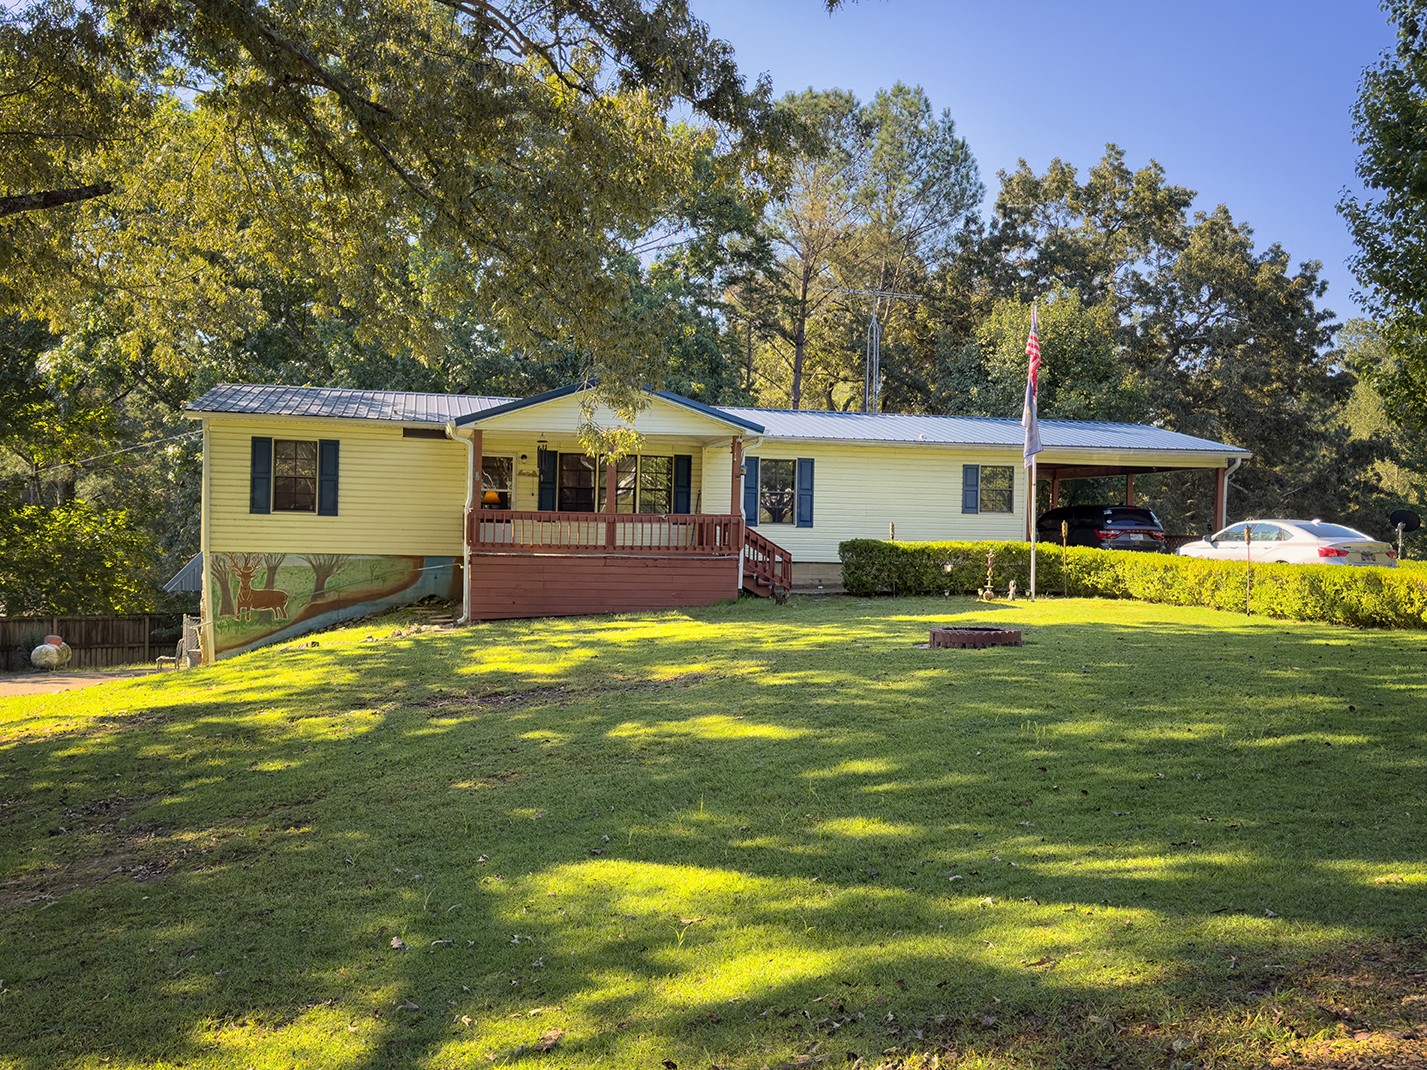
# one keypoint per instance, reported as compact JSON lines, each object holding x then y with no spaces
{"x":341,"y":403}
{"x":188,"y":578}
{"x":803,"y":424}
{"x":974,"y":431}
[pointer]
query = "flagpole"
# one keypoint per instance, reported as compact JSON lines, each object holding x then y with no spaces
{"x":1033,"y":527}
{"x":1031,"y":422}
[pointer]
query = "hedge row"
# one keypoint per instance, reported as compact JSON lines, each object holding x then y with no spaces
{"x":1364,"y":597}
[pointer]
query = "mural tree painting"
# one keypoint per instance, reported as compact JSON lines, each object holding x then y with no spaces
{"x":323,"y":567}
{"x":273,"y":563}
{"x":222,"y":572}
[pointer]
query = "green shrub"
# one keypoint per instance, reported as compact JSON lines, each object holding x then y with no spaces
{"x":1364,"y":597}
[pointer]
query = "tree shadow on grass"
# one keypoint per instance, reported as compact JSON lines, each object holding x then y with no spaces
{"x":734,"y":838}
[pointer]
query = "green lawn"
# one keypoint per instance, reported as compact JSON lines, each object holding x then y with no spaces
{"x":743,"y":836}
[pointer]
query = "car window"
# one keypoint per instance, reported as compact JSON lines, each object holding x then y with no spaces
{"x":1128,"y":516}
{"x":1331,"y":531}
{"x":1268,"y":533}
{"x":1233,"y":533}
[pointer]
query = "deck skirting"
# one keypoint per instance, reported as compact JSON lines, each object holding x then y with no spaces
{"x":512,"y":585}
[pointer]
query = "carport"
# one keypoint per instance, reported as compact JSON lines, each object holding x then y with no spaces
{"x":1058,"y":465}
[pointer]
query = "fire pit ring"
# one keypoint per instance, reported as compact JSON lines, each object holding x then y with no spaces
{"x":973,"y":637}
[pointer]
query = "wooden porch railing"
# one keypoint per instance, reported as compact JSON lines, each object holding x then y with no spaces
{"x":499,"y":530}
{"x":766,"y":560}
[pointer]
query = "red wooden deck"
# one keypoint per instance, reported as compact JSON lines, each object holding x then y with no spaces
{"x":551,"y":564}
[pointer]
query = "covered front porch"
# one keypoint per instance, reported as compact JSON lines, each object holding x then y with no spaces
{"x":553,"y":532}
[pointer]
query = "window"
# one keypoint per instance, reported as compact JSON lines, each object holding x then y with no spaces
{"x":576,"y":493}
{"x":497,"y":482}
{"x":776,"y":484}
{"x":988,"y":488}
{"x":775,"y":491}
{"x":642,"y":485}
{"x":656,"y":485}
{"x":998,"y":484}
{"x":294,"y":476}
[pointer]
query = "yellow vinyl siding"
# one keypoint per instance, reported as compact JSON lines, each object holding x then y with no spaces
{"x":859,"y":490}
{"x":716,"y":465}
{"x":395,"y":495}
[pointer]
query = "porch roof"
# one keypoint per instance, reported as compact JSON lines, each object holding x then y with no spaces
{"x":726,"y":416}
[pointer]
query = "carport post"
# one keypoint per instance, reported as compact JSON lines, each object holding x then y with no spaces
{"x":1129,"y":488}
{"x":1221,"y":496}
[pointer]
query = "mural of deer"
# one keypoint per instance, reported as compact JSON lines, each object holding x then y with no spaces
{"x":275,"y":602}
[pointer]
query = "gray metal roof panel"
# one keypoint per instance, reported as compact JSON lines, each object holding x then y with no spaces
{"x":807,"y":424}
{"x":340,"y":403}
{"x":973,"y":431}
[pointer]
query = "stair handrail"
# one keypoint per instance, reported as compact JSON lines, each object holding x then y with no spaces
{"x":767,"y":560}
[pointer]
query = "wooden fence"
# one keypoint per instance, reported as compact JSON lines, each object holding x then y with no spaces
{"x":97,"y":642}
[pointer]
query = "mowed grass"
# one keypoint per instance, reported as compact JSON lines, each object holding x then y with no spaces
{"x":743,"y":836}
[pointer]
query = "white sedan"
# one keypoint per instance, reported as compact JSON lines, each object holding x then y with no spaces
{"x":1299,"y":542}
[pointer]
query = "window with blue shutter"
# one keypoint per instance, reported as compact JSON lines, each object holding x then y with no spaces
{"x":971,"y":488}
{"x":750,"y":491}
{"x":260,"y":480}
{"x":327,"y":449}
{"x":805,"y":492}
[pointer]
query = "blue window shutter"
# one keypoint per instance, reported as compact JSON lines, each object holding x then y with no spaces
{"x":548,"y":462}
{"x":327,"y":477}
{"x":750,"y":491}
{"x":805,"y":492}
{"x":260,"y":481}
{"x":683,"y":483}
{"x":971,"y":488}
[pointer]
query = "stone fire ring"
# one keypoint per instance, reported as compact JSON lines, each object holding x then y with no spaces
{"x":973,"y":637}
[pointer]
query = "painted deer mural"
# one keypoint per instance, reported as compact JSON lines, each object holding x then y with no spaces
{"x":274,"y":601}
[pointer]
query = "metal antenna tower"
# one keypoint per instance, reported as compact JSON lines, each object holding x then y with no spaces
{"x":872,"y":367}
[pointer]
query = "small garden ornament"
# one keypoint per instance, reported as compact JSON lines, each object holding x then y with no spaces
{"x":988,"y":593}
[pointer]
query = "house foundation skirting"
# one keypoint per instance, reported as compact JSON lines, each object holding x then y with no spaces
{"x":506,"y":586}
{"x":254,"y":599}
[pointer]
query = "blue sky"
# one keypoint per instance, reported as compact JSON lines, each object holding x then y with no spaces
{"x":1248,"y":103}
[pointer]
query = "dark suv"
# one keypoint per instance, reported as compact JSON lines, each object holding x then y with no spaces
{"x":1110,"y":527}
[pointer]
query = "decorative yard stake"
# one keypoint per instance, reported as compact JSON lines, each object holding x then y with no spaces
{"x":1064,"y":552}
{"x":1248,"y":572}
{"x":988,"y":593}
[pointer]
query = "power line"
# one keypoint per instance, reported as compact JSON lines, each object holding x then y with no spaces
{"x":116,"y":453}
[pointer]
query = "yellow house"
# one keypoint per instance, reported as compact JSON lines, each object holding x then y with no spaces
{"x":322,"y":504}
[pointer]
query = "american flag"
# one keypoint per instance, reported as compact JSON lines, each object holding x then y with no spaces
{"x":1028,"y":414}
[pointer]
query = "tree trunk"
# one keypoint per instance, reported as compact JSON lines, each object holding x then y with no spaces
{"x":225,"y":588}
{"x":323,"y":567}
{"x":800,"y":339}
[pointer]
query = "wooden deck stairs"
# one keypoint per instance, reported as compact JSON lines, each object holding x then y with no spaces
{"x":767,"y":567}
